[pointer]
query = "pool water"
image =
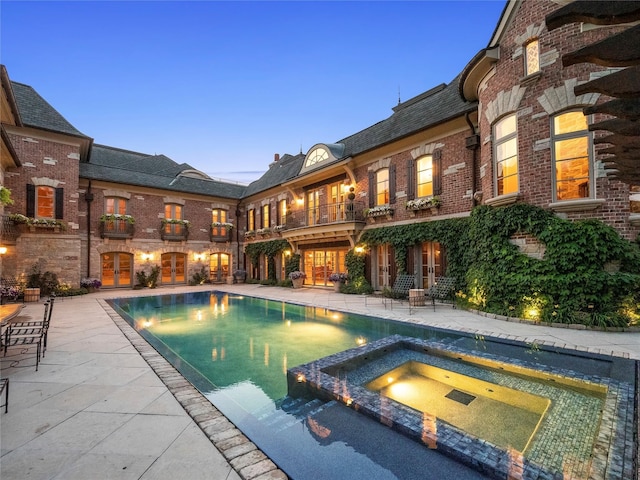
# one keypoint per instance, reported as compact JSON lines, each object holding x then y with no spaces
{"x":236,"y":350}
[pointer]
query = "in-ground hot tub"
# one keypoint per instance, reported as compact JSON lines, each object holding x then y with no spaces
{"x":499,"y":415}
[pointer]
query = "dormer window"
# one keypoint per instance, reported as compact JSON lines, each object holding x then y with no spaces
{"x":316,"y":156}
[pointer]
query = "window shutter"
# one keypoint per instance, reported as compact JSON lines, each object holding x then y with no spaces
{"x":392,"y":184}
{"x":59,"y":199}
{"x":372,"y":189}
{"x":411,"y":179}
{"x":437,"y":172}
{"x":31,"y":200}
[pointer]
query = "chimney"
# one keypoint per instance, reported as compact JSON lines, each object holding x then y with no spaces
{"x":276,"y":157}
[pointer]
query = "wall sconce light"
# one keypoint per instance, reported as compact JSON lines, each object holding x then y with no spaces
{"x":287,"y":253}
{"x":3,"y":250}
{"x":299,"y":201}
{"x":147,"y":257}
{"x":359,"y":249}
{"x":198,"y":257}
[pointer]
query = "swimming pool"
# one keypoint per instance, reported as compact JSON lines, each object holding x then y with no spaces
{"x":236,"y":350}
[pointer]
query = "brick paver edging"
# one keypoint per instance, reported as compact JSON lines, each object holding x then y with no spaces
{"x":242,"y":454}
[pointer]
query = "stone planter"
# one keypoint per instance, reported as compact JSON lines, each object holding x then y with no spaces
{"x":336,"y":286}
{"x":297,"y":282}
{"x":230,"y":280}
{"x":31,"y":294}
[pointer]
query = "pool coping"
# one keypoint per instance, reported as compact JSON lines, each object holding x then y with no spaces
{"x":241,"y":453}
{"x":612,"y":457}
{"x":577,"y":348}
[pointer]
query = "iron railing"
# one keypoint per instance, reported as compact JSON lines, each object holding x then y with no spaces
{"x":327,"y":214}
{"x":8,"y":229}
{"x":174,"y":232}
{"x":116,"y":229}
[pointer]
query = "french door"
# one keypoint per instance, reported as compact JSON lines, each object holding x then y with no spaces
{"x":173,"y":268}
{"x":385,"y":266}
{"x":219,"y":267}
{"x":116,"y":269}
{"x":432,"y":263}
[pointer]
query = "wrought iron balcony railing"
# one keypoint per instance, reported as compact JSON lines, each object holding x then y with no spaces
{"x":342,"y":212}
{"x":174,"y":232}
{"x":8,"y":230}
{"x":116,"y":229}
{"x":220,"y":234}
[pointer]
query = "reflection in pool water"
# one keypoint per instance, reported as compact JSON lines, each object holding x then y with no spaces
{"x":236,"y":350}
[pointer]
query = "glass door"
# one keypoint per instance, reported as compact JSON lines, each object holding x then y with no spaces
{"x":173,"y":268}
{"x":383,"y":261}
{"x":219,"y":267}
{"x":116,"y":269}
{"x":432,"y":263}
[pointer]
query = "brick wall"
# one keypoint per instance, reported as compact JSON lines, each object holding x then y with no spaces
{"x":534,"y":153}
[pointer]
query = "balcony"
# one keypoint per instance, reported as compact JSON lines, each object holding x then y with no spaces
{"x":174,"y":231}
{"x":116,"y":228}
{"x":333,"y":221}
{"x":220,"y":234}
{"x":326,"y":214}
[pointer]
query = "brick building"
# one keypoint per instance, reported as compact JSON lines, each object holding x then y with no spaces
{"x":508,"y":129}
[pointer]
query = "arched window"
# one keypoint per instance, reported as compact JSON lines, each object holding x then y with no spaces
{"x":218,"y":215}
{"x":505,"y":154}
{"x":570,"y":150}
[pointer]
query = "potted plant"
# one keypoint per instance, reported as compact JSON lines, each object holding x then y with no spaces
{"x":338,"y":278}
{"x":297,"y":278}
{"x":91,"y":284}
{"x":240,"y":275}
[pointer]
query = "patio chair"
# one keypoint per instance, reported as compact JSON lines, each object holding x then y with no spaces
{"x":44,"y":323}
{"x":4,"y":387}
{"x":441,"y":290}
{"x":26,"y":336}
{"x":399,"y":291}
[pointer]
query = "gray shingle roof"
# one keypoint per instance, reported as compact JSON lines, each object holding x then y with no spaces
{"x":279,"y":172}
{"x":431,"y":108}
{"x":36,"y":112}
{"x":428,"y":109}
{"x":154,"y":171}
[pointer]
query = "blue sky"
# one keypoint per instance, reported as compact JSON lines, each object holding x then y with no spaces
{"x":224,"y":86}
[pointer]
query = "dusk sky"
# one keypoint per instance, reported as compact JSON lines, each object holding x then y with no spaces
{"x":223,"y":86}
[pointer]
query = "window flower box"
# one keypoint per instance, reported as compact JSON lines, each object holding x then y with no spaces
{"x":249,"y":234}
{"x":37,"y":223}
{"x":423,"y":203}
{"x":174,"y":229}
{"x":379,"y":211}
{"x":115,"y":225}
{"x":263,"y":232}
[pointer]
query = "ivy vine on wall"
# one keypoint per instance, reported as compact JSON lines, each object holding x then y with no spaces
{"x":268,"y":249}
{"x":589,"y":274}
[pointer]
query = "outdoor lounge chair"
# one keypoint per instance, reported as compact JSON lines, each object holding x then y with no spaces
{"x":26,"y":336}
{"x":399,"y":291}
{"x":44,"y":323}
{"x":440,"y":290}
{"x":4,"y":387}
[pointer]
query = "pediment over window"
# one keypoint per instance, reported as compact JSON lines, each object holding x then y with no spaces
{"x":322,"y":154}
